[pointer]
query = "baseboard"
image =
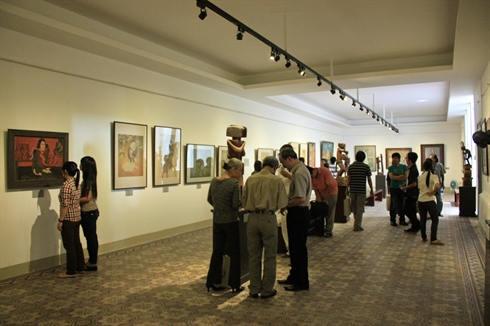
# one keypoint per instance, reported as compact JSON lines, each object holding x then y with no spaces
{"x":54,"y":261}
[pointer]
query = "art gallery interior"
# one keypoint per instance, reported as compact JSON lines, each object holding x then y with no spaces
{"x":77,"y":67}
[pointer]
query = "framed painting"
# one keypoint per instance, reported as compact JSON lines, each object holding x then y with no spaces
{"x":129,"y":155}
{"x":199,"y":163}
{"x":427,"y":150}
{"x":312,"y":155}
{"x":263,"y":153}
{"x":277,"y":153}
{"x":484,"y":152}
{"x":222,"y":158}
{"x":370,"y":151}
{"x":295,"y":147}
{"x":303,"y":151}
{"x":403,"y":153}
{"x":327,"y":150}
{"x":166,"y":156}
{"x":35,"y":158}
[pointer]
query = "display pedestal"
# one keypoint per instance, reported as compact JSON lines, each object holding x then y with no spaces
{"x":467,"y":201}
{"x":339,"y":210}
{"x":381,"y":184}
{"x":244,"y":270}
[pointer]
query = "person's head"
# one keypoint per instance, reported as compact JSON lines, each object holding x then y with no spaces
{"x":70,"y":169}
{"x":257,"y":166}
{"x":89,"y":175}
{"x":288,"y":157}
{"x":412,"y":158}
{"x":272,"y":163}
{"x":41,"y":144}
{"x":302,"y":160}
{"x":395,"y":158}
{"x":313,"y":171}
{"x":434,"y":158}
{"x":333,"y":160}
{"x":234,"y":168}
{"x":360,"y":156}
{"x":428,"y":165}
{"x":324,"y":162}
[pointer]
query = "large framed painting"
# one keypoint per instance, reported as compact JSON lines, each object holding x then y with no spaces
{"x":263,"y":153}
{"x":484,"y":151}
{"x":199,"y":163}
{"x":327,"y":150}
{"x":427,"y":150}
{"x":303,"y":151}
{"x":35,"y":158}
{"x":295,"y":146}
{"x":402,"y":151}
{"x":370,"y":151}
{"x":222,"y":158}
{"x":311,"y":155}
{"x":129,"y":155}
{"x":166,"y":156}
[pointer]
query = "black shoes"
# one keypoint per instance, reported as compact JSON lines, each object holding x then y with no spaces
{"x":295,"y":288}
{"x":411,"y":231}
{"x":274,"y":292}
{"x":90,"y":268}
{"x":285,"y":282}
{"x":403,"y":223}
{"x":237,"y":290}
{"x":214,"y":287}
{"x":394,"y":224}
{"x":254,"y":296}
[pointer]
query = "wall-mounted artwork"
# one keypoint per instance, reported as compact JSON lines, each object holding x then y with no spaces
{"x":327,"y":150}
{"x":130,"y":155}
{"x":295,"y":146}
{"x":263,"y":153}
{"x":402,"y":151}
{"x":370,"y":151}
{"x":312,"y":155}
{"x":303,"y":151}
{"x":427,"y":150}
{"x":484,"y":153}
{"x":199,"y":163}
{"x":222,"y":158}
{"x":166,"y":156}
{"x":35,"y":158}
{"x":277,"y":153}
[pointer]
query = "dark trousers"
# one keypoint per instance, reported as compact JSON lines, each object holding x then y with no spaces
{"x":431,"y":208}
{"x":397,"y":197}
{"x":440,"y":204}
{"x":298,"y":220}
{"x":70,"y":234}
{"x":411,"y":212}
{"x":226,"y":241}
{"x":89,"y":227}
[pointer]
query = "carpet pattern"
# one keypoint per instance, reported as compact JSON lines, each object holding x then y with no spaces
{"x":381,"y":276}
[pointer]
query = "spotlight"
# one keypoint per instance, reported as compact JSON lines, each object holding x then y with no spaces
{"x":360,"y":108}
{"x":381,"y":122}
{"x":319,"y":82}
{"x":374,"y":116}
{"x":273,"y":54}
{"x":386,"y":124}
{"x":288,"y":63}
{"x":367,"y":111}
{"x":301,"y":70}
{"x":377,"y":119}
{"x":277,"y":57}
{"x":239,"y":34}
{"x":203,"y":13}
{"x":342,"y":96}
{"x":332,"y":90}
{"x":354,"y":104}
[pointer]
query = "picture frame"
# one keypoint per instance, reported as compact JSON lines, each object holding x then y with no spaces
{"x":427,"y":149}
{"x":222,"y":157}
{"x":35,"y":158}
{"x":303,"y":152}
{"x":129,"y":155}
{"x":295,"y":146}
{"x":199,"y":163}
{"x":277,"y":154}
{"x":370,"y":151}
{"x":166,"y":156}
{"x":263,"y":153}
{"x":326,"y":150}
{"x":312,"y":154}
{"x":484,"y":155}
{"x":403,"y":153}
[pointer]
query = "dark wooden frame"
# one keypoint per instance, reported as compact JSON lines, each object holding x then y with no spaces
{"x":423,"y":157}
{"x":157,"y":157}
{"x":13,"y":159}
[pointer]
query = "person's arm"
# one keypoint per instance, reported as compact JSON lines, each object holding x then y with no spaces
{"x":443,"y":171}
{"x":347,"y":185}
{"x":86,"y":199}
{"x":318,"y":196}
{"x":286,"y":174}
{"x":370,"y":183}
{"x":296,"y":201}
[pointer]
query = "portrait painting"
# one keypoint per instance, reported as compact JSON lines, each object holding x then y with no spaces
{"x":166,"y":156}
{"x":129,"y":148}
{"x":303,"y":152}
{"x":200,"y":161}
{"x":327,"y":150}
{"x":370,"y":151}
{"x":402,"y":151}
{"x":312,"y":155}
{"x":35,"y":158}
{"x":427,"y":150}
{"x":263,"y":153}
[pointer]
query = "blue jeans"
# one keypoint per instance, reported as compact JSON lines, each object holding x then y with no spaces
{"x":89,"y":226}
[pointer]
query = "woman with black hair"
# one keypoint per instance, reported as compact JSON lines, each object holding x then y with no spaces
{"x":69,"y":221}
{"x":429,"y":185}
{"x":90,"y":211}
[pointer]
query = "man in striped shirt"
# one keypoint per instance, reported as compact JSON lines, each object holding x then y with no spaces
{"x":357,"y":174}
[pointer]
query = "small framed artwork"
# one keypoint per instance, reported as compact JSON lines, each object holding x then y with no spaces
{"x":295,"y":147}
{"x":327,"y":150}
{"x":222,"y":158}
{"x":129,"y":155}
{"x":277,"y":153}
{"x":35,"y":158}
{"x":263,"y":153}
{"x":370,"y":151}
{"x":402,"y":151}
{"x":199,"y":163}
{"x":427,"y":150}
{"x":312,"y":155}
{"x":484,"y":153}
{"x":166,"y":156}
{"x":303,"y":151}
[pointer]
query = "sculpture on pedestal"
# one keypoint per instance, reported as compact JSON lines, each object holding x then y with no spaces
{"x":379,"y":165}
{"x":343,"y":162}
{"x":236,"y":147}
{"x":467,"y":179}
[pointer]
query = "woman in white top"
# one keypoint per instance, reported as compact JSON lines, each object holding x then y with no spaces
{"x":429,"y":185}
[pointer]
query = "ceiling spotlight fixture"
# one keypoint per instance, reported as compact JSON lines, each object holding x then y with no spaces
{"x":239,"y":33}
{"x":333,"y":90}
{"x":203,"y":12}
{"x":319,"y":82}
{"x":273,"y":54}
{"x":354,"y":104}
{"x":374,"y":116}
{"x":288,"y":63}
{"x":342,"y":96}
{"x":386,"y":124}
{"x":367,"y":111}
{"x":277,"y":57}
{"x":381,"y":122}
{"x":301,"y":70}
{"x":377,"y":119}
{"x":360,"y":108}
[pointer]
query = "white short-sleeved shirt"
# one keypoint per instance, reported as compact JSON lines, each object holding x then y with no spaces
{"x":434,"y":179}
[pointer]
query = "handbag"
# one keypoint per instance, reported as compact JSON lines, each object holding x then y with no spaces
{"x":347,"y":209}
{"x":388,"y":202}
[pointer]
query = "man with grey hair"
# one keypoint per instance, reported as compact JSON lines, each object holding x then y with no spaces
{"x":263,"y":194}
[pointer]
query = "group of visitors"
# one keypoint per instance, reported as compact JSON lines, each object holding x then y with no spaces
{"x":78,"y":207}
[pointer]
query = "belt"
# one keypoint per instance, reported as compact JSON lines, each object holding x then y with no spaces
{"x":262,"y":211}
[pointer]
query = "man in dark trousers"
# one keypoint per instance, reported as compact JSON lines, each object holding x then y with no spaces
{"x":298,"y":220}
{"x":412,"y":193}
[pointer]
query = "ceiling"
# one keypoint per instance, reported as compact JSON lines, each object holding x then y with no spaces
{"x":410,"y":61}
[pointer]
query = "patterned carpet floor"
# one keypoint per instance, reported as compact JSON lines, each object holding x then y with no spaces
{"x":381,"y":276}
